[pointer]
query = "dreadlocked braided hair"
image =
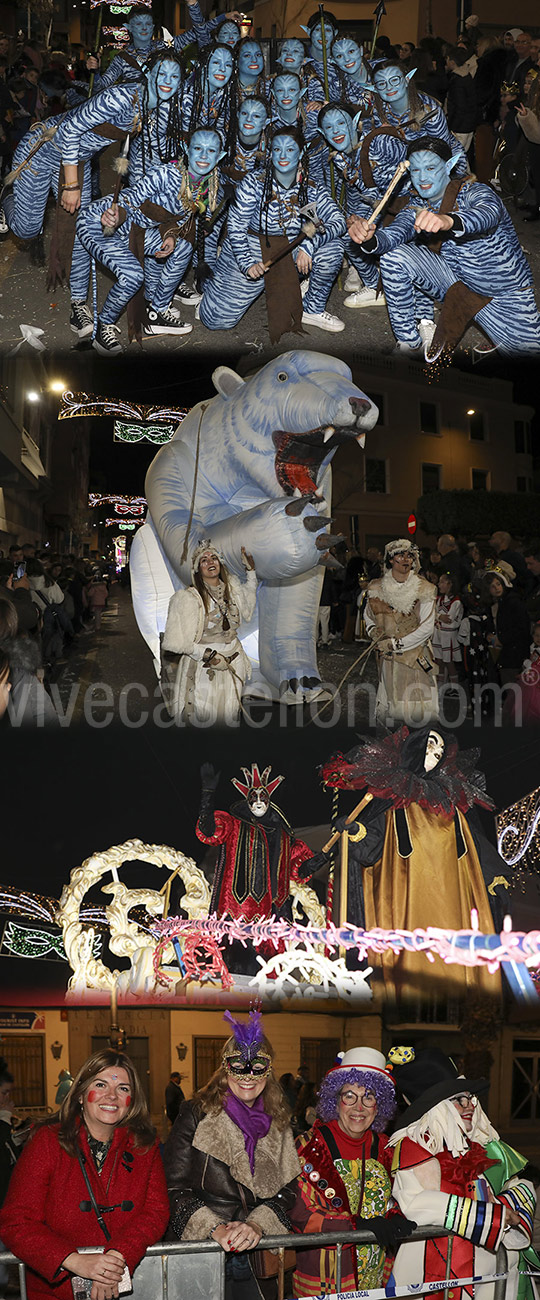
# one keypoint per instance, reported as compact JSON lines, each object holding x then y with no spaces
{"x":414,"y":101}
{"x":303,"y":171}
{"x":224,"y":101}
{"x":173,"y":131}
{"x":259,"y":86}
{"x":191,"y":195}
{"x":350,"y":111}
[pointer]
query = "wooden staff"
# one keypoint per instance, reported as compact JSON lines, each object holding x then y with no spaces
{"x":400,"y":171}
{"x":96,"y":49}
{"x":350,"y":819}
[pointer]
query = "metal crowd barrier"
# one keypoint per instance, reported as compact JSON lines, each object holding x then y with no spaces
{"x":195,"y":1270}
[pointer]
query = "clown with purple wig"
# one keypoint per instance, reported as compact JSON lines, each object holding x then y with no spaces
{"x":345,"y":1180}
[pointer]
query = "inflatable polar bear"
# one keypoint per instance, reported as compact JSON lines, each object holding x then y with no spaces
{"x":253,"y":465}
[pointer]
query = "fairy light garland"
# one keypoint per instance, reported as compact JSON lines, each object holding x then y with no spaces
{"x":518,"y":838}
{"x":460,"y":947}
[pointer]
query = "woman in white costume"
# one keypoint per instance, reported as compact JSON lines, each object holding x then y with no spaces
{"x":205,"y":665}
{"x":400,"y":618}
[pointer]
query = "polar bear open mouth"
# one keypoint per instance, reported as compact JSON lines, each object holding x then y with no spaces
{"x":299,"y":456}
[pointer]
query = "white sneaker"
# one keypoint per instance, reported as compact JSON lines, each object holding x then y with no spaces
{"x":426,"y":330}
{"x":365,"y":297}
{"x":323,"y":320}
{"x":409,"y":349}
{"x":353,"y":281}
{"x":3,"y":223}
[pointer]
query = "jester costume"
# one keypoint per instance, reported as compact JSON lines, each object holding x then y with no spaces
{"x":259,"y":855}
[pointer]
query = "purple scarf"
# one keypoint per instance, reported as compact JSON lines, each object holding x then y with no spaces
{"x":253,"y":1121}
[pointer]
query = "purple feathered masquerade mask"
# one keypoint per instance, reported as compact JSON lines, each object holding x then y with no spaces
{"x":248,"y":1055}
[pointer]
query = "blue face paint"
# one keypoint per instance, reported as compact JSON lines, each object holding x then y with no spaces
{"x":252,"y":120}
{"x":250,"y":62}
{"x":228,"y":34}
{"x":204,"y":152}
{"x":165,"y":80}
{"x":391,"y":85}
{"x":348,"y":56}
{"x":287,"y":91}
{"x":219,"y":69}
{"x":429,"y":175}
{"x":291,"y":55}
{"x":338,"y":130}
{"x":317,"y":41}
{"x":141,"y":30}
{"x":285,"y":159}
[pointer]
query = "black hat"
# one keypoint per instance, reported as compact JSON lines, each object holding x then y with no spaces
{"x":425,"y":1078}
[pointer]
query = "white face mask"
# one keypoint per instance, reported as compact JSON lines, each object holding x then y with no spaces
{"x":258,"y":807}
{"x":434,"y":751}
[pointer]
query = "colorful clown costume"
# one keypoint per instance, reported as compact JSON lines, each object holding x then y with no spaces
{"x":230,"y":293}
{"x":340,"y":1180}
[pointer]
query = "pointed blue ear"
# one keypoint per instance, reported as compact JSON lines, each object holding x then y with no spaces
{"x":452,"y":162}
{"x":369,"y":84}
{"x":305,"y":29}
{"x":356,"y":120}
{"x":303,"y":92}
{"x":410,"y":74}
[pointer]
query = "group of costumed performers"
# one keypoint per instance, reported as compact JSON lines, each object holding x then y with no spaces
{"x":414,"y":851}
{"x":204,"y":665}
{"x":399,"y":619}
{"x":222,"y":164}
{"x":417,"y":852}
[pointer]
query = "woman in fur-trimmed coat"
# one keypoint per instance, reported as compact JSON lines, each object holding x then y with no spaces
{"x":231,"y":1165}
{"x":204,"y":665}
{"x":400,"y":619}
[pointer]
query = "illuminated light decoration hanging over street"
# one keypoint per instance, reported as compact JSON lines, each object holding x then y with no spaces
{"x":137,"y":415}
{"x":143,"y":432}
{"x":99,"y":498}
{"x":129,"y":507}
{"x":518,"y":838}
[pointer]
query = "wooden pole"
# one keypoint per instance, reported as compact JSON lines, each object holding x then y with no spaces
{"x":351,"y":818}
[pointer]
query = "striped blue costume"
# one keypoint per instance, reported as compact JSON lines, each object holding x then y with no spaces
{"x":387,"y":150}
{"x":483,"y":252}
{"x":160,"y":277}
{"x":313,"y":77}
{"x":213,"y":112}
{"x":230,"y":293}
{"x":77,"y":139}
{"x":123,"y":69}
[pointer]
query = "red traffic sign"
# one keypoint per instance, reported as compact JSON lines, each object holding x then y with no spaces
{"x":411,"y":524}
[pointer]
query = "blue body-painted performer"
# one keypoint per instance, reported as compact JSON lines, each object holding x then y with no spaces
{"x":251,"y":145}
{"x":146,"y":112}
{"x":292,"y":55}
{"x":348,"y":60}
{"x":268,"y":206}
{"x":251,"y":78}
{"x":210,"y":99}
{"x":133,"y":59}
{"x":286,"y":95}
{"x":228,"y":33}
{"x":165,"y":208}
{"x":461,"y":247}
{"x":313,"y":69}
{"x":338,"y":128}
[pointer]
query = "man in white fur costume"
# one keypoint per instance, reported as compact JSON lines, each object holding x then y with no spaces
{"x":204,"y":665}
{"x":400,"y":618}
{"x":451,"y":1168}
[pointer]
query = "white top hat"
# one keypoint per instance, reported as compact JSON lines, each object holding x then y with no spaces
{"x":363,"y":1058}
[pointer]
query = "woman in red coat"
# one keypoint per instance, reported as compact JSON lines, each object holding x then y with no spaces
{"x":90,"y":1175}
